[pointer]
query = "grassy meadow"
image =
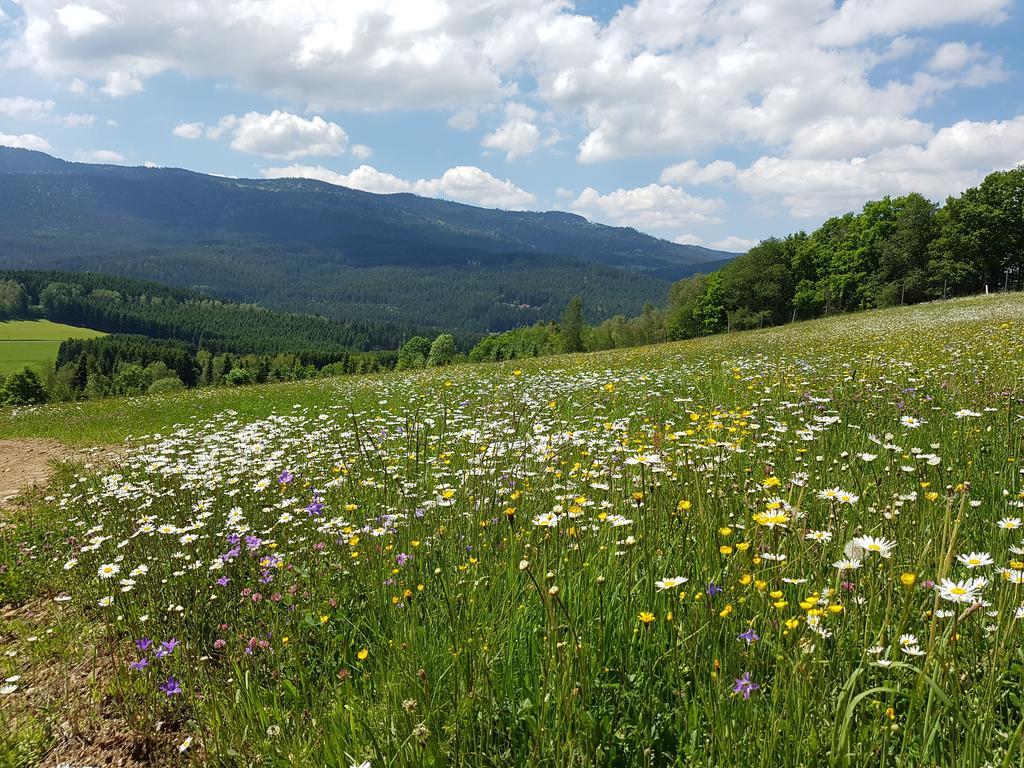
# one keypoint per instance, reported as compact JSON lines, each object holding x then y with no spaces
{"x":791,"y":547}
{"x":34,"y":343}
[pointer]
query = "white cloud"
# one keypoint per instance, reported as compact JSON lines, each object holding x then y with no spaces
{"x":734,"y":244}
{"x":100,"y":156}
{"x":358,"y":54}
{"x":688,"y":240}
{"x":188,"y":131}
{"x":850,"y":137}
{"x":654,"y":207}
{"x":463,"y":120}
{"x":952,"y":56}
{"x":21,"y":108}
{"x":361,"y":152}
{"x":37,"y":110}
{"x":279,"y":135}
{"x":519,"y":135}
{"x":24,"y":141}
{"x":951,"y":160}
{"x":80,"y":20}
{"x":467,"y":184}
{"x":515,"y":137}
{"x":858,"y":20}
{"x":691,"y":172}
{"x":120,"y":84}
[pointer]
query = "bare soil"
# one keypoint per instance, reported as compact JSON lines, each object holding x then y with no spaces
{"x":28,"y":464}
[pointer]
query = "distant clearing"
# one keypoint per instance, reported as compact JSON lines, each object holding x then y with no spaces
{"x":34,"y":343}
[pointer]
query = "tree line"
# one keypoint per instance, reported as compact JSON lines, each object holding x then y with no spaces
{"x":162,"y":339}
{"x":897,"y":250}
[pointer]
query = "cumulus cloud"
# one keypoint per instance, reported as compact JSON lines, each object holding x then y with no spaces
{"x":190,"y":131}
{"x":25,"y":109}
{"x":951,"y":160}
{"x":287,"y":136}
{"x":120,"y":84}
{"x":734,"y":244}
{"x":858,"y":20}
{"x":100,"y":156}
{"x":24,"y":141}
{"x":654,"y":207}
{"x":361,"y":152}
{"x":691,"y":172}
{"x":688,"y":239}
{"x":280,"y":135}
{"x":466,"y":184}
{"x":463,"y":120}
{"x":359,"y":54}
{"x":796,"y":81}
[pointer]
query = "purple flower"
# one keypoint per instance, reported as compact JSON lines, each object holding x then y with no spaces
{"x":139,"y":665}
{"x":316,"y":506}
{"x":171,"y":687}
{"x":750,"y":636}
{"x":223,"y":581}
{"x":143,"y":643}
{"x":253,"y":542}
{"x":745,"y":686}
{"x":166,"y":648}
{"x":285,"y":477}
{"x":713,"y":589}
{"x":420,"y":512}
{"x":401,"y":558}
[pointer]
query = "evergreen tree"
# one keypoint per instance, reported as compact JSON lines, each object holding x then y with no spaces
{"x":571,"y":327}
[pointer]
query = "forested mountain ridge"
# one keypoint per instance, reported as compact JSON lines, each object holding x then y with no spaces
{"x":308,"y":246}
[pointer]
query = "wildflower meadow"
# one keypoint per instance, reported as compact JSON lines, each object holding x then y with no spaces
{"x":791,"y":547}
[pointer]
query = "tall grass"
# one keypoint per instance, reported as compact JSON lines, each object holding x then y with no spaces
{"x":738,"y":551}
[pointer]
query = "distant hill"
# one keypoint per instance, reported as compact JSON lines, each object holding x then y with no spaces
{"x":308,"y":246}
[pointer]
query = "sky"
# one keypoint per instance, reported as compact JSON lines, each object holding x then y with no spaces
{"x":712,"y":122}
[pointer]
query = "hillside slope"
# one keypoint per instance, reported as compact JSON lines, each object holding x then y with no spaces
{"x":305,"y":245}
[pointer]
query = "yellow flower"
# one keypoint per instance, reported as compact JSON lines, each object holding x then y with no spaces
{"x":908,"y":579}
{"x":324,"y":618}
{"x":725,"y":549}
{"x":683,"y":505}
{"x":724,"y":613}
{"x":646,"y":617}
{"x":793,"y":623}
{"x":363,"y":654}
{"x":725,"y":531}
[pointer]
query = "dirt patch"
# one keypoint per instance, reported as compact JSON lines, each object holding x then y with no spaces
{"x":69,"y":691}
{"x":28,"y":464}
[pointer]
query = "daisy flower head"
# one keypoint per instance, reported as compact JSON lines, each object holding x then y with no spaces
{"x":108,"y":570}
{"x":876,"y":545}
{"x":976,"y":559}
{"x":670,"y":583}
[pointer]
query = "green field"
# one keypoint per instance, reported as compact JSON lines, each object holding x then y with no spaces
{"x":782,"y":548}
{"x":34,"y":343}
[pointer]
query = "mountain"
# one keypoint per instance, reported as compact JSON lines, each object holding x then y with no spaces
{"x":308,"y":246}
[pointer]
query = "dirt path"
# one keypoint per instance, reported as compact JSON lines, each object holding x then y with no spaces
{"x":27,"y":464}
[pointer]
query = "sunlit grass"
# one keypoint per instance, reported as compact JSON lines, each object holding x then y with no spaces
{"x":34,"y":343}
{"x":781,"y":548}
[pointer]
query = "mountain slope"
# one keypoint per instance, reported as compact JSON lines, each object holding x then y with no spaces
{"x":309,"y":246}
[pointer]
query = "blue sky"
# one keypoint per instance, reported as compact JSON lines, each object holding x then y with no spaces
{"x":716,"y":123}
